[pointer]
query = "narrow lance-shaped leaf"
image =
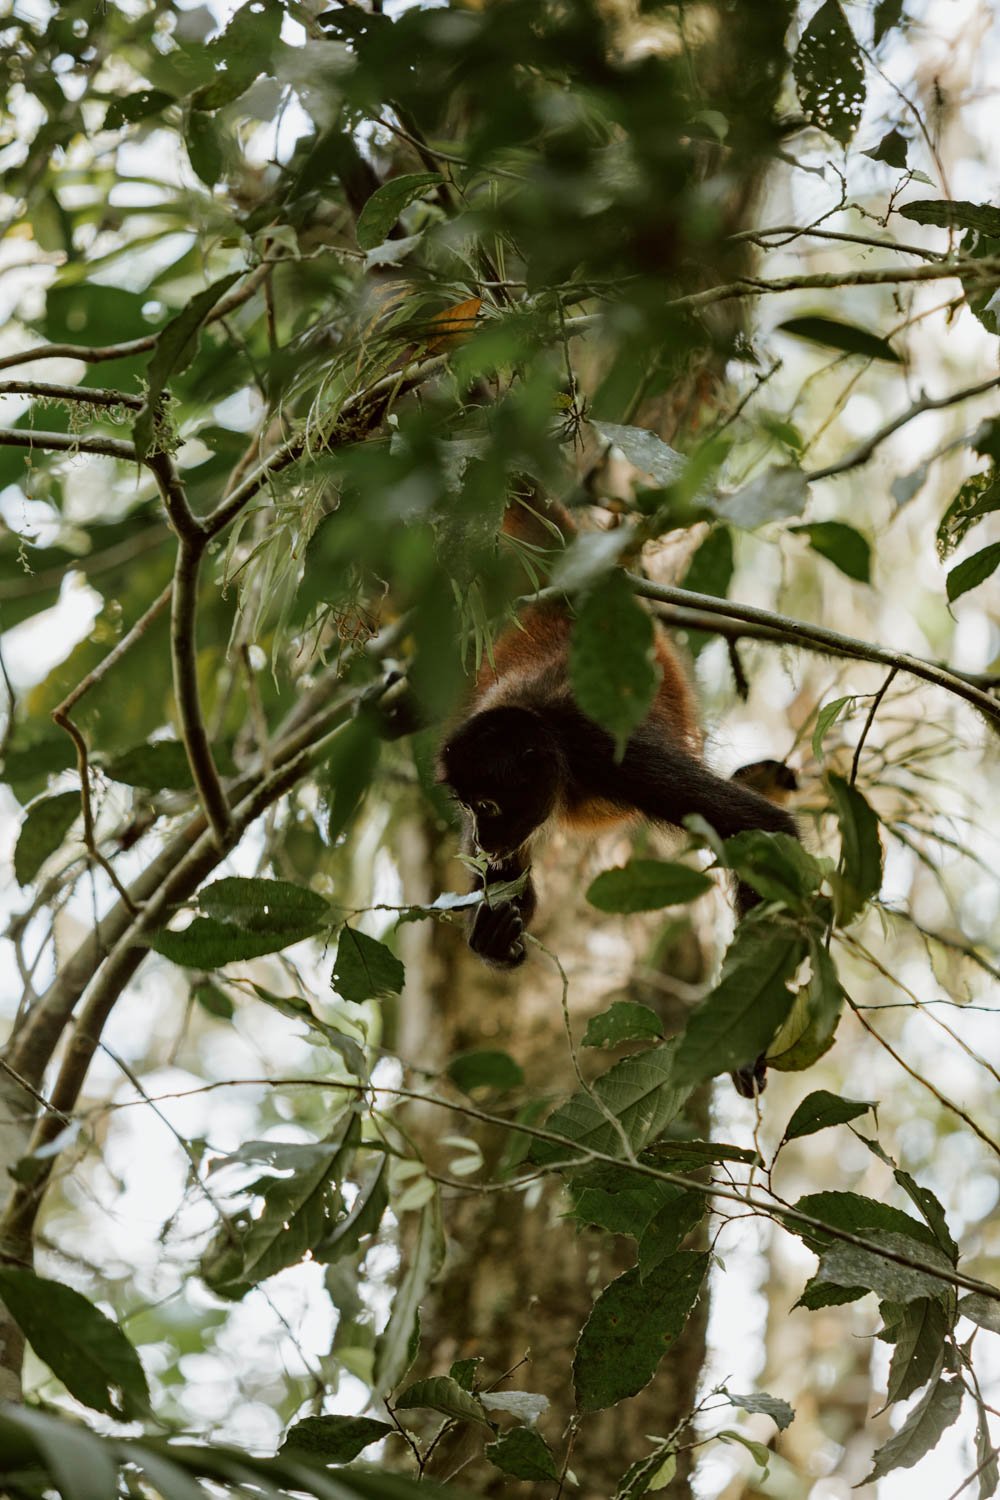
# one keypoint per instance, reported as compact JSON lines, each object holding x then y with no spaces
{"x":861,"y":848}
{"x":444,"y":1395}
{"x":386,"y":204}
{"x":973,"y":571}
{"x":922,"y":1430}
{"x":832,"y":333}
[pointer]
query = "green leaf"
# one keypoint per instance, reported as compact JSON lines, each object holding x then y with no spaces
{"x":297,"y":1210}
{"x":612,"y":670}
{"x":973,"y":571}
{"x":921,"y":1432}
{"x":846,"y":548}
{"x":624,"y":1021}
{"x":779,"y":1411}
{"x":444,"y":1395}
{"x":81,"y":1464}
{"x":977,"y":497}
{"x":860,"y":1215}
{"x":364,"y":969}
{"x":811,"y":1024}
{"x":920,"y":1333}
{"x":618,"y":1201}
{"x":362,"y":1219}
{"x":631,"y":1326}
{"x":830,"y":73}
{"x":348,"y":772}
{"x":647,"y":885}
{"x":486,"y":1069}
{"x":160,"y":766}
{"x":204,"y":147}
{"x":136,"y":106}
{"x":849,"y":1265}
{"x":464,"y":1371}
{"x":296,"y":1008}
{"x":176,"y":346}
{"x":81,"y":1346}
{"x":641,"y":1092}
{"x":832,"y":333}
{"x":663,"y":1234}
{"x":861,"y":848}
{"x":775,"y":865}
{"x":891,"y":149}
{"x":981,"y":1309}
{"x":645,"y":451}
{"x":264,"y":905}
{"x":710,"y":571}
{"x":45,"y":825}
{"x":777,"y":493}
{"x":523,"y":1454}
{"x":208,"y":944}
{"x":213,"y":1001}
{"x":931,"y":1211}
{"x":397,"y":1344}
{"x":241,"y":53}
{"x":734,"y":1023}
{"x":825,"y":719}
{"x":820,"y":1110}
{"x":947,"y":213}
{"x":386,"y":204}
{"x":888,"y":13}
{"x":986,"y":1453}
{"x":333,"y":1439}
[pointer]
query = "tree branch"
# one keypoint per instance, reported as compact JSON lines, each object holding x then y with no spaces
{"x":864,"y":451}
{"x":86,"y":395}
{"x":818,"y":636}
{"x":67,"y":442}
{"x":91,"y":355}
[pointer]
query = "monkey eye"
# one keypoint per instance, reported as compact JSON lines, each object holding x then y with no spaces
{"x":487,"y":806}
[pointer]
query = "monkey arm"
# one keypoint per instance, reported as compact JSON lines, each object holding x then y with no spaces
{"x":496,"y":933}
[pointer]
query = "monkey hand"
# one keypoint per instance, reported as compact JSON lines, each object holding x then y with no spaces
{"x":752,"y":1079}
{"x":497,"y":935}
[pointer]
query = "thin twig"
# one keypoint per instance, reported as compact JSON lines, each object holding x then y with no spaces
{"x":869,"y":721}
{"x":795,"y":231}
{"x":864,"y":451}
{"x":579,"y":1154}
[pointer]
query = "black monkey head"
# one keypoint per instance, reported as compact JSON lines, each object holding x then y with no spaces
{"x":503,"y":765}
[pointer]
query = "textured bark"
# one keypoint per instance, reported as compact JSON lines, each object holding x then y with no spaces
{"x":520,"y":1279}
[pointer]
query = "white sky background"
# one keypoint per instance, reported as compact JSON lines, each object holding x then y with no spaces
{"x":956,"y":47}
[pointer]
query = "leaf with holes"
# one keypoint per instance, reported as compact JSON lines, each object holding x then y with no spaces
{"x":830,"y":73}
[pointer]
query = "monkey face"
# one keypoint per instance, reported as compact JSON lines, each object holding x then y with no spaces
{"x":503,"y":770}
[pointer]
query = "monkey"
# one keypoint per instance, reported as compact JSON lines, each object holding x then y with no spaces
{"x":524,"y":756}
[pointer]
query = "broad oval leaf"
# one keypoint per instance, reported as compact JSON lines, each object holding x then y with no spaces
{"x":524,"y":1454}
{"x":45,"y":825}
{"x":973,"y":571}
{"x":444,"y":1395}
{"x":485,"y":1069}
{"x":842,"y":545}
{"x":82,"y":1347}
{"x":160,"y":766}
{"x":830,"y":73}
{"x":208,"y":944}
{"x":386,"y":204}
{"x":951,"y":213}
{"x":822,"y":1109}
{"x":645,"y":451}
{"x":624,"y":1021}
{"x":734,"y":1024}
{"x":780,"y":1412}
{"x":641,"y":1092}
{"x":364,"y":969}
{"x":264,"y":905}
{"x":612,"y":669}
{"x":780,"y":491}
{"x":333,"y":1439}
{"x":647,"y":885}
{"x":630,"y":1328}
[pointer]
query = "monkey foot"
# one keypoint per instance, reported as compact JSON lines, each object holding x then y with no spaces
{"x":497,"y":935}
